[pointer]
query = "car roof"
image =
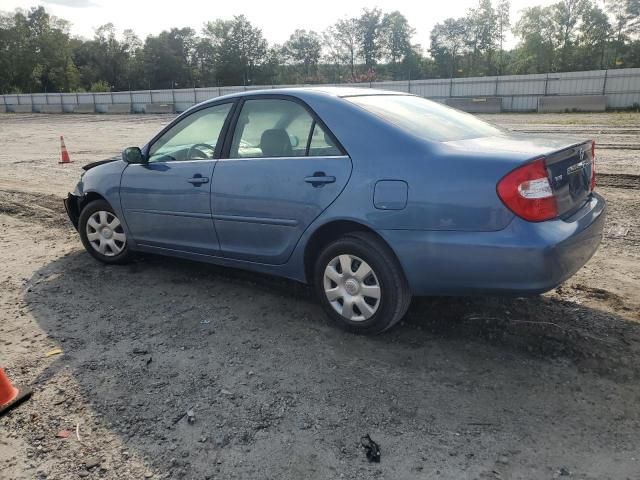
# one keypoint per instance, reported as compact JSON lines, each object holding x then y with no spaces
{"x":311,"y":91}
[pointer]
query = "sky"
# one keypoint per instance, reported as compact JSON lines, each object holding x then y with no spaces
{"x":277,"y":18}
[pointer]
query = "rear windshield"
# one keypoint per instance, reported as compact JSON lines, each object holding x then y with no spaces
{"x":426,"y":119}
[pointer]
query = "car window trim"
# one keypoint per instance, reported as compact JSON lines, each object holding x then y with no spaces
{"x":221,"y":136}
{"x":341,"y":157}
{"x":226,"y":147}
{"x":313,"y":127}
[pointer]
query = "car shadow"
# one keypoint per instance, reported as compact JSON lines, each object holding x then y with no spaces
{"x":272,"y":381}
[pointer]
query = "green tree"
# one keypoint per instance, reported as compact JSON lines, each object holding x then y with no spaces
{"x":566,"y":15}
{"x":481,"y":37}
{"x":132,"y":48}
{"x":304,"y":49}
{"x":503,"y":10}
{"x":238,"y":48}
{"x":342,"y":43}
{"x":593,"y":38}
{"x":538,"y":33}
{"x":169,"y":58}
{"x":370,"y":35}
{"x":626,"y":22}
{"x":105,"y":58}
{"x":36,"y":53}
{"x":396,"y":38}
{"x":448,"y":42}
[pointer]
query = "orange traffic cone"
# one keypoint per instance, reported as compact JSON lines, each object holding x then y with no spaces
{"x":10,"y":396}
{"x":64,"y":155}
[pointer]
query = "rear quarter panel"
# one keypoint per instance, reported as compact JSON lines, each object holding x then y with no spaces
{"x":448,"y":188}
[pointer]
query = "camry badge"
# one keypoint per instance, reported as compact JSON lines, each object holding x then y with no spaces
{"x":578,"y":166}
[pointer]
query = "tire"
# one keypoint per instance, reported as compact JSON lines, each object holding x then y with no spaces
{"x":336,"y":292}
{"x":102,"y":234}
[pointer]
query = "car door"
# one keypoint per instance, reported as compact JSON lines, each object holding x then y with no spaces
{"x":282,"y":168}
{"x":166,"y":200}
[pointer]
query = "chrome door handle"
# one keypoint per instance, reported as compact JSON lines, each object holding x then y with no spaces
{"x":198,"y":180}
{"x":320,"y":178}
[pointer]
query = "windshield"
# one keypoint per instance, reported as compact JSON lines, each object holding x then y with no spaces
{"x":425,"y":118}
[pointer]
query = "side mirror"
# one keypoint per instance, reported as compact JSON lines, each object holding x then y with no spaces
{"x":132,"y":155}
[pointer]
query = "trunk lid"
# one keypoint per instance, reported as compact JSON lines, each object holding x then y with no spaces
{"x":569,"y":162}
{"x":570,"y":172}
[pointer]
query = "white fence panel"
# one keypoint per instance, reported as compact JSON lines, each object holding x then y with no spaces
{"x":38,"y":99}
{"x":626,"y":81}
{"x":474,"y":87}
{"x":576,"y":83}
{"x":141,"y":96}
{"x":85,"y":98}
{"x":522,"y":85}
{"x":184,"y":96}
{"x":103,"y":98}
{"x":431,"y":88}
{"x":121,"y":97}
{"x":393,"y":86}
{"x":69,"y":99}
{"x":518,"y":92}
{"x":203,"y":94}
{"x":161,"y":96}
{"x":228,"y":90}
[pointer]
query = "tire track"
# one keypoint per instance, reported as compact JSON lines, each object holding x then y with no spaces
{"x":618,"y":180}
{"x":43,"y":208}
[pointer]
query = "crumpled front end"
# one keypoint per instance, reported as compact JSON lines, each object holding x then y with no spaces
{"x":72,"y":206}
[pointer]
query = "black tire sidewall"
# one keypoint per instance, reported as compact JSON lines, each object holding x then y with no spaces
{"x":86,"y":212}
{"x":382,"y":264}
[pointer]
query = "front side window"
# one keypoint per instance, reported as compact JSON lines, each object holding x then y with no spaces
{"x":426,"y":119}
{"x":194,"y":138}
{"x":276,"y":128}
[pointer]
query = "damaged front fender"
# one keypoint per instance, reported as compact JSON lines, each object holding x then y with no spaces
{"x":72,"y":206}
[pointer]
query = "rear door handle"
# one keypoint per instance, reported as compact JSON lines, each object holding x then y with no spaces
{"x":198,"y":180}
{"x":319,"y":179}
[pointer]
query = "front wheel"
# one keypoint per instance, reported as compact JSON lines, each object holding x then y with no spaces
{"x":102,"y":233}
{"x":360,"y":284}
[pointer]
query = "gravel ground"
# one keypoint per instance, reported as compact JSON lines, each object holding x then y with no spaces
{"x":172,"y":369}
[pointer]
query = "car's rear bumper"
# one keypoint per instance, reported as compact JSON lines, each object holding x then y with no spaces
{"x":73,"y":208}
{"x":524,"y":258}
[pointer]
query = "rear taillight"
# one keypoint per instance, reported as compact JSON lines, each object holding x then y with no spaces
{"x":593,"y":165}
{"x":526,"y":191}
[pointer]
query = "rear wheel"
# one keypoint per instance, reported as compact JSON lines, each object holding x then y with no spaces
{"x":102,"y":233}
{"x":360,"y":284}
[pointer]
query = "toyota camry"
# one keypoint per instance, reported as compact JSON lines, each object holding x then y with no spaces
{"x":369,"y":196}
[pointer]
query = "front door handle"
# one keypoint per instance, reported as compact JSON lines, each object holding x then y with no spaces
{"x":319,"y":179}
{"x":198,"y":180}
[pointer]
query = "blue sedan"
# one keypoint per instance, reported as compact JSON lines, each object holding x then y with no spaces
{"x":369,"y":196}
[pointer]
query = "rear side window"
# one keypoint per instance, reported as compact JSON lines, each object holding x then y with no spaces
{"x":321,"y":144}
{"x":424,"y":118}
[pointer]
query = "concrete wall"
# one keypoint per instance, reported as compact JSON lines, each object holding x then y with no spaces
{"x":84,"y":108}
{"x":118,"y":108}
{"x":20,"y":108}
{"x":49,"y":108}
{"x":572,"y":103}
{"x":159,"y":108}
{"x":476,"y":104}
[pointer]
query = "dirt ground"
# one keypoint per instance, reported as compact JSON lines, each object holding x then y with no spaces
{"x":173,"y":369}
